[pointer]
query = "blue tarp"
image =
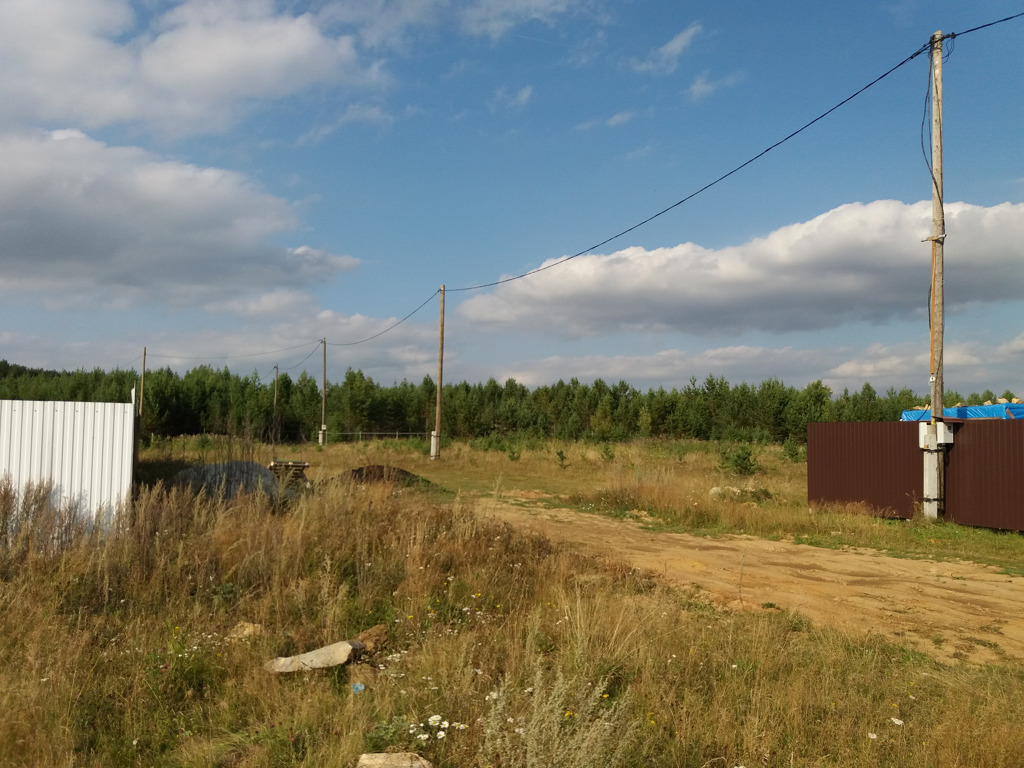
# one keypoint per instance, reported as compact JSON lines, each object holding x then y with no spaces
{"x":996,"y":411}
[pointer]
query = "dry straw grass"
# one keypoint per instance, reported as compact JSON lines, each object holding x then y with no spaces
{"x":114,"y":647}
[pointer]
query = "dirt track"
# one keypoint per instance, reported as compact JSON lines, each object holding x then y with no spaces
{"x":949,"y":610}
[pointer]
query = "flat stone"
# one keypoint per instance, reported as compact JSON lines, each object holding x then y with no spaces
{"x":392,"y":760}
{"x":329,"y":656}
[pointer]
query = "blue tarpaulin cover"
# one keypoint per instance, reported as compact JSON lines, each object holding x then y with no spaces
{"x":996,"y":411}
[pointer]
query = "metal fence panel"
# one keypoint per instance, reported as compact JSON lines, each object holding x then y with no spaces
{"x":985,"y":474}
{"x":878,"y":463}
{"x":84,"y":449}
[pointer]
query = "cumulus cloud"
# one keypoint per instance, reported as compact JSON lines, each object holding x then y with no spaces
{"x":86,"y":223}
{"x":288,"y":339}
{"x":970,"y":366}
{"x":670,"y":367}
{"x":383,"y":23}
{"x":199,"y":66}
{"x":859,"y":263}
{"x":665,"y":59}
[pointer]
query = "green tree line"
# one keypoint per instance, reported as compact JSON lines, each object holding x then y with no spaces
{"x":207,"y":400}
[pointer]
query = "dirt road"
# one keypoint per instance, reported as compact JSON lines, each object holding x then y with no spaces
{"x":949,"y":610}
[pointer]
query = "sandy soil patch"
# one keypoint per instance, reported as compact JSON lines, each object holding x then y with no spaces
{"x":949,"y":610}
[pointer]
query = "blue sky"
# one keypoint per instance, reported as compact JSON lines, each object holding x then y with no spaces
{"x":227,"y":181}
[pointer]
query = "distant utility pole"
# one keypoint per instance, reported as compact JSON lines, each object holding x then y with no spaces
{"x":323,"y":399}
{"x":142,"y":380}
{"x":937,"y":435}
{"x":435,"y":438}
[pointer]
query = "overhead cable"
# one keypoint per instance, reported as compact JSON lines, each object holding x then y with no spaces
{"x":740,"y":167}
{"x":389,"y":328}
{"x":234,"y":357}
{"x":706,"y":187}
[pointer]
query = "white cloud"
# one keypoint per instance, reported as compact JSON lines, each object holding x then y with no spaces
{"x":504,"y":99}
{"x":272,"y":304}
{"x":368,"y":114}
{"x":494,"y":18}
{"x":383,"y":23}
{"x":86,"y":223}
{"x":702,"y":86}
{"x":857,"y":263}
{"x":665,"y":367}
{"x":200,"y":66}
{"x":620,"y":118}
{"x":664,"y":60}
{"x":970,"y":366}
{"x":314,"y":264}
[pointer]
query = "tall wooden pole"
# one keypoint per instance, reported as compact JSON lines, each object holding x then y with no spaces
{"x":937,"y":435}
{"x":938,"y":229}
{"x":323,"y":399}
{"x":273,"y":417}
{"x":435,"y":439}
{"x":142,"y":380}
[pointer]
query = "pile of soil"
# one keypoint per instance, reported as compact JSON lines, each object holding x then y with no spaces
{"x":379,"y":473}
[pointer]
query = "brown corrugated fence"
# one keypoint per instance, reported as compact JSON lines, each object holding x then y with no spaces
{"x":881,"y":465}
{"x":877,"y":463}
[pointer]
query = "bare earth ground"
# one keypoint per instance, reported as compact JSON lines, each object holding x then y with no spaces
{"x":949,"y":610}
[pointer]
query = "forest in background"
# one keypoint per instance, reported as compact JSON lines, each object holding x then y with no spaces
{"x":206,"y":400}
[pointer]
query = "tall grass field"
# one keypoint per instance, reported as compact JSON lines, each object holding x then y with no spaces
{"x":144,"y":644}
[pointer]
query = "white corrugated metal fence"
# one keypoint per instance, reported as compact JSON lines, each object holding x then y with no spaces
{"x":85,"y":449}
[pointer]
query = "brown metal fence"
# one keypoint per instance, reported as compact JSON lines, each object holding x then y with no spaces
{"x":881,"y":465}
{"x":878,"y":463}
{"x":985,"y":474}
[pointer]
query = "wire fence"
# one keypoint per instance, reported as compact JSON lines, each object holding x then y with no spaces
{"x":358,"y":437}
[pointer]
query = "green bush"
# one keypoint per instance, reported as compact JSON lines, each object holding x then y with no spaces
{"x":739,"y":460}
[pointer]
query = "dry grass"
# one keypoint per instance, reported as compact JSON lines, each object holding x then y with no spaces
{"x":115,"y":648}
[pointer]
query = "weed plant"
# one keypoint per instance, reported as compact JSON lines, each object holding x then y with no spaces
{"x":500,"y":648}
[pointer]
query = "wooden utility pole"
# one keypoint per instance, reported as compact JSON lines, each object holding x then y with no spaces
{"x":323,"y":399}
{"x":938,"y":229}
{"x":938,"y":435}
{"x":142,"y":381}
{"x":273,"y":416}
{"x":435,"y":438}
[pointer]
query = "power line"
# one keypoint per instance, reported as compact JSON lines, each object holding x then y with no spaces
{"x":292,"y":368}
{"x":235,"y":357}
{"x":983,"y":26}
{"x":740,"y":167}
{"x":389,"y":328}
{"x":707,"y":186}
{"x":950,"y":37}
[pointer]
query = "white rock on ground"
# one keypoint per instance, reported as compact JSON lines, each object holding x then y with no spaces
{"x":392,"y":760}
{"x":328,"y":656}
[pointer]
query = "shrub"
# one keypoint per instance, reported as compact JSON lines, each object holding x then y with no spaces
{"x":739,"y":460}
